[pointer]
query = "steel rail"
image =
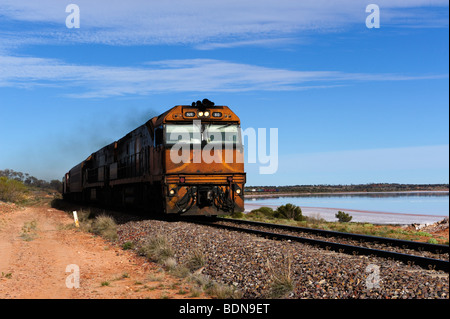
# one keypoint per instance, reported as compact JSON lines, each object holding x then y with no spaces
{"x":420,"y":246}
{"x":429,"y":263}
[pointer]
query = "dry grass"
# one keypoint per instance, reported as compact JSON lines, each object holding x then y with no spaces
{"x":281,"y":276}
{"x":29,"y":231}
{"x":104,"y":226}
{"x":157,"y":249}
{"x":196,"y":260}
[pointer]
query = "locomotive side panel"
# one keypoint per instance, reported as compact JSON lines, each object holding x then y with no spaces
{"x":73,"y":183}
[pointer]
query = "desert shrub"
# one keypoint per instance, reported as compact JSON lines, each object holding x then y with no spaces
{"x":237,"y":215}
{"x":343,"y":217}
{"x":222,"y":291}
{"x":12,"y":190}
{"x":128,"y":245}
{"x":315,"y":219}
{"x":170,"y":263}
{"x":196,"y":260}
{"x":289,"y":211}
{"x":157,"y":249}
{"x":85,"y":215}
{"x":104,"y":226}
{"x":213,"y":288}
{"x":423,"y":233}
{"x":262,"y":212}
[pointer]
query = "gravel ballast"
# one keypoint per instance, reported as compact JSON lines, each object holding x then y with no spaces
{"x":251,"y":263}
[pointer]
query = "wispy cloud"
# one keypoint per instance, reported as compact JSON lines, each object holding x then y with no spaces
{"x":189,"y":75}
{"x":204,"y":23}
{"x":280,"y":42}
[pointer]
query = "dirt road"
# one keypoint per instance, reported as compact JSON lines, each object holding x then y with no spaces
{"x":40,"y":257}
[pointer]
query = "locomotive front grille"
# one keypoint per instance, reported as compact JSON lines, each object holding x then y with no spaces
{"x":204,"y":194}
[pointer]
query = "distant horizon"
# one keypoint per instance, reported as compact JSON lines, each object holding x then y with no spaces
{"x":444,"y":185}
{"x":290,"y":185}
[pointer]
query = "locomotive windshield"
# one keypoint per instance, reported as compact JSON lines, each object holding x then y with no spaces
{"x":197,"y":133}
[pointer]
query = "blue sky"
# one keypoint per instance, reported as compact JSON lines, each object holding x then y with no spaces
{"x":351,"y":104}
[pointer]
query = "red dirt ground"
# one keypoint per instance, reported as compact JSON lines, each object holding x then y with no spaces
{"x":36,"y":268}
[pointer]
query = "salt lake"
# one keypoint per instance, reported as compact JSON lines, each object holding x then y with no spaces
{"x":396,"y":208}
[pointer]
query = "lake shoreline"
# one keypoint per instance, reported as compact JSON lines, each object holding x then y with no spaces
{"x":262,"y":194}
{"x":359,"y":215}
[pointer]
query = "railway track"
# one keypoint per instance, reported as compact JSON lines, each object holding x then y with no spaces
{"x":426,"y":255}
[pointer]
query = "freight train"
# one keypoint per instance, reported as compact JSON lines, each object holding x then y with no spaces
{"x":187,"y":161}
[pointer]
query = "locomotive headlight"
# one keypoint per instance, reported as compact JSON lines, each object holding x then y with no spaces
{"x":172,"y":192}
{"x":206,"y":113}
{"x":200,"y":113}
{"x":237,"y":189}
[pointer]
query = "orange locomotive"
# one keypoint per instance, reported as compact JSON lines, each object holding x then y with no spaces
{"x":188,"y":160}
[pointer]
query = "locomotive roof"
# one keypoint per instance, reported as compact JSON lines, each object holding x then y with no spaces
{"x":178,"y":114}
